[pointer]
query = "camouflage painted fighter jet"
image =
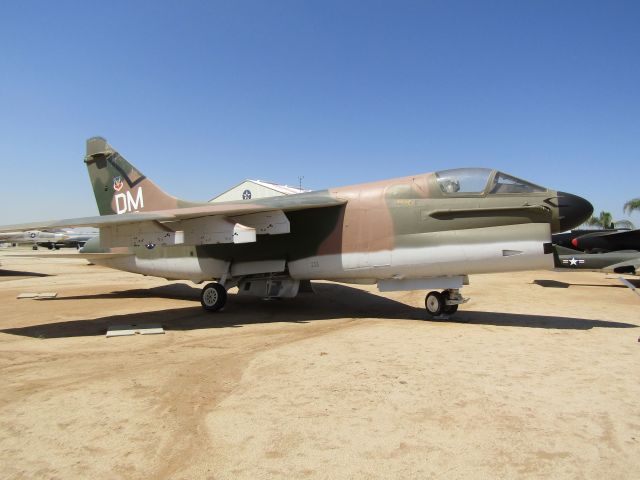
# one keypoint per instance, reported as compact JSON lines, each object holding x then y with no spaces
{"x":421,"y":232}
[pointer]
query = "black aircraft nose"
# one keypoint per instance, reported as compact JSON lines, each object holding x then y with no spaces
{"x":572,"y":210}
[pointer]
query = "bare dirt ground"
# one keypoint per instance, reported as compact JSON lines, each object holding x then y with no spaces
{"x":537,"y":377}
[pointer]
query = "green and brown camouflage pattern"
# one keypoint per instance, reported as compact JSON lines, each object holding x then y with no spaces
{"x":112,"y":176}
{"x":385,"y":215}
{"x":396,"y":215}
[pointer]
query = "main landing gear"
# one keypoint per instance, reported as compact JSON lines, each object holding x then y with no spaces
{"x":445,"y":303}
{"x":213,"y":297}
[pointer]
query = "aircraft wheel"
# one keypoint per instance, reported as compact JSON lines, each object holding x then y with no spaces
{"x":450,"y":309}
{"x":35,"y":247}
{"x":434,"y":303}
{"x":213,"y":297}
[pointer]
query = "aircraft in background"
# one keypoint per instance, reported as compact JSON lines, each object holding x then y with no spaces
{"x":34,"y":237}
{"x":75,"y":238}
{"x":623,"y":262}
{"x":613,"y":251}
{"x":421,"y":232}
{"x":51,"y":239}
{"x":606,"y":240}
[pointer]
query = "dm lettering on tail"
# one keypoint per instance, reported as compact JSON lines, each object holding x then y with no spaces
{"x":120,"y":187}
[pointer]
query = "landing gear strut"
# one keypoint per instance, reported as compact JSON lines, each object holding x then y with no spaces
{"x":445,"y":303}
{"x":213,"y":297}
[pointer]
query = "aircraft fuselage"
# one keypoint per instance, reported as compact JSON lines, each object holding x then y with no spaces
{"x":397,"y":229}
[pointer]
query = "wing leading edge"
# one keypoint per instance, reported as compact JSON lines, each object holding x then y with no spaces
{"x":230,"y":222}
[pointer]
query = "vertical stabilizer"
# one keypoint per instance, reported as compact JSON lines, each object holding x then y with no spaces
{"x":119,"y":187}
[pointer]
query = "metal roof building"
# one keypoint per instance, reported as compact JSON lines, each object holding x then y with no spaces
{"x":251,"y":189}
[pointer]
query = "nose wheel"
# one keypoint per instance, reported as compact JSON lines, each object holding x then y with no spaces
{"x":213,"y":297}
{"x":443,"y":303}
{"x":434,"y":303}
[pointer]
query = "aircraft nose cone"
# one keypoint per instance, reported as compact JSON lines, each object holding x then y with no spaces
{"x":572,"y":210}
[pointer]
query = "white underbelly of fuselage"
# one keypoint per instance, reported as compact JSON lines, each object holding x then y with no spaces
{"x":487,"y":250}
{"x":438,"y":254}
{"x":195,"y":269}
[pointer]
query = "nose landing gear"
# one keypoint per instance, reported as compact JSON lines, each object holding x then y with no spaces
{"x":445,"y":303}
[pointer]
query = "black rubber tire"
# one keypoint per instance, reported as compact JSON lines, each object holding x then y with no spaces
{"x":450,"y":309}
{"x":213,"y":297}
{"x":434,"y":303}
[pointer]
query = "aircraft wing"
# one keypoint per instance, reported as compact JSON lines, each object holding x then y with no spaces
{"x":228,"y":222}
{"x":86,"y":256}
{"x":97,"y":221}
{"x":227,"y":209}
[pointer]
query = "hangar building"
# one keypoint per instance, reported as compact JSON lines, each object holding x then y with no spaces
{"x":251,"y":189}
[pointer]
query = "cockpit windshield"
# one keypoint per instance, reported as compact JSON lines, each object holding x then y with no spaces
{"x":463,"y":180}
{"x":475,"y":181}
{"x":503,"y":183}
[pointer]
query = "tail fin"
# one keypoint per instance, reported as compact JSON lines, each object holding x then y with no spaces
{"x":120,"y":187}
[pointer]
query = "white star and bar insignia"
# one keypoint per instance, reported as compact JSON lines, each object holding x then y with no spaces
{"x":573,"y":261}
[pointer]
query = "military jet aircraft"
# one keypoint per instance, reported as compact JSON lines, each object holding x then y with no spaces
{"x":76,"y":239}
{"x":427,"y":231}
{"x":623,"y":261}
{"x":606,"y":241}
{"x":34,"y":237}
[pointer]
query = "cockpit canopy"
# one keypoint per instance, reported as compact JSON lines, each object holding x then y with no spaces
{"x":477,"y":181}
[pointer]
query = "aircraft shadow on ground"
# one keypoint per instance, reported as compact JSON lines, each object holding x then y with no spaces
{"x":500,"y":319}
{"x":331,"y":301}
{"x":557,"y":284}
{"x":18,"y":273}
{"x":174,"y":291}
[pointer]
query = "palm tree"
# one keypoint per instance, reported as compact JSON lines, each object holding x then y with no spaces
{"x":631,"y":206}
{"x":623,"y":224}
{"x":604,"y":220}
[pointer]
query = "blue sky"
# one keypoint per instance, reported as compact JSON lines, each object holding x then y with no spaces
{"x":201,"y":95}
